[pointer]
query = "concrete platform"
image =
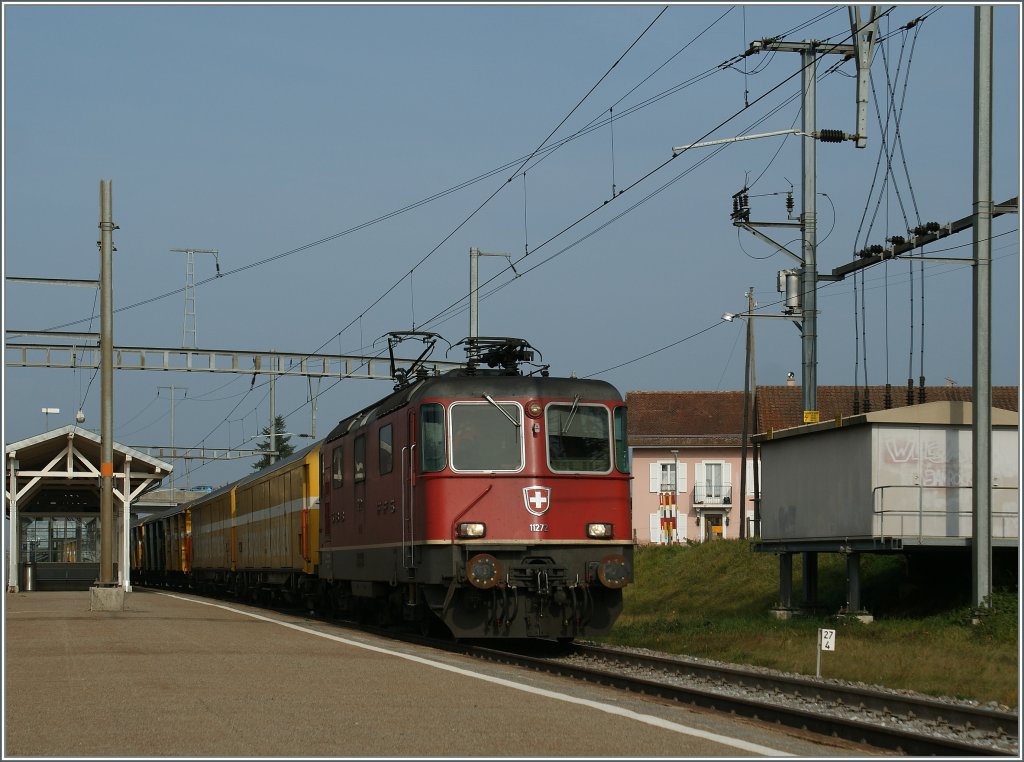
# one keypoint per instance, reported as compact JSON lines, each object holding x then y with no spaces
{"x":177,"y":676}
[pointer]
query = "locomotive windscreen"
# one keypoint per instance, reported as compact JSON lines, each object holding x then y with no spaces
{"x":578,"y":438}
{"x":486,"y":436}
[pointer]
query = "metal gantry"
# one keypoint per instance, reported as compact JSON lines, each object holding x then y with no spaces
{"x":81,"y":352}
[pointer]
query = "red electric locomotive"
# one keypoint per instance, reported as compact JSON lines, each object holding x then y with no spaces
{"x":492,"y":500}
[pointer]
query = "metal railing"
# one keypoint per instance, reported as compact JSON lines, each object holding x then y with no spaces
{"x":709,"y":496}
{"x":911,"y":510}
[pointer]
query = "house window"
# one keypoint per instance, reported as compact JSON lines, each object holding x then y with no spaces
{"x":712,"y":482}
{"x":666,"y":473}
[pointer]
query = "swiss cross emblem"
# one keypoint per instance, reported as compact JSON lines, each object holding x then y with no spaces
{"x":537,"y":499}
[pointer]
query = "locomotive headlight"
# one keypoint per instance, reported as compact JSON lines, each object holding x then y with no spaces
{"x":599,"y":531}
{"x":471,"y":530}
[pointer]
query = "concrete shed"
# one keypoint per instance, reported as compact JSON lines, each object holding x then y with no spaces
{"x":896,"y":480}
{"x":900,"y":476}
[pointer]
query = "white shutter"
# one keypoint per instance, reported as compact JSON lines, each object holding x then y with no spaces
{"x":655,"y":527}
{"x":655,"y":477}
{"x":750,"y":477}
{"x":681,"y":477}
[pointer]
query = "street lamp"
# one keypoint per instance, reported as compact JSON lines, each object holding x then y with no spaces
{"x":675,"y":485}
{"x":728,"y":317}
{"x":750,"y":382}
{"x":47,"y":411}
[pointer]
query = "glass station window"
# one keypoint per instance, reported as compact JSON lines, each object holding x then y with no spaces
{"x":578,"y":438}
{"x":59,"y":539}
{"x":486,"y":436}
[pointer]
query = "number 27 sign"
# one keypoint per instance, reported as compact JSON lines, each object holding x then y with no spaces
{"x":827,"y":640}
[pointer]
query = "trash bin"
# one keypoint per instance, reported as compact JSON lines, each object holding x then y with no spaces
{"x":28,"y":576}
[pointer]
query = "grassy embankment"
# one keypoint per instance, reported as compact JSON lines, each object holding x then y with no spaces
{"x":713,"y":600}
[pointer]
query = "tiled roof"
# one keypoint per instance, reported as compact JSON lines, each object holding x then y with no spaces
{"x":715,"y":419}
{"x":685,"y":419}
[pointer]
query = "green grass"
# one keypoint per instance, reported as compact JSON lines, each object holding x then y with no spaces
{"x":712,"y":601}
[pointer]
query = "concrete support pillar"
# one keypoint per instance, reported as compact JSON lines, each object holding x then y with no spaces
{"x":853,"y":604}
{"x":810,"y":580}
{"x":13,"y":567}
{"x":126,"y":515}
{"x":786,"y":580}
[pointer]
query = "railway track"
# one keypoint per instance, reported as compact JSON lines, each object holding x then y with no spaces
{"x":908,"y":724}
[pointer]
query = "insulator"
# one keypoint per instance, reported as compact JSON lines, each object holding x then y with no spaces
{"x":735,"y":205}
{"x":910,"y":391}
{"x":746,"y":201}
{"x":830,"y":136}
{"x":933,"y":227}
{"x":921,"y":394}
{"x":789,"y":202}
{"x":897,"y":240}
{"x":888,"y":396}
{"x":876,"y":249}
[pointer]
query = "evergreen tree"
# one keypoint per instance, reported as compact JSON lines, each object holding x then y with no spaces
{"x":284,"y":449}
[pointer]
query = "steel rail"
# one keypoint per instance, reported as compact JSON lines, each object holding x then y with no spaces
{"x":962,"y":716}
{"x":910,"y":742}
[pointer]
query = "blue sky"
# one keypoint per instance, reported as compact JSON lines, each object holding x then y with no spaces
{"x":259,"y":130}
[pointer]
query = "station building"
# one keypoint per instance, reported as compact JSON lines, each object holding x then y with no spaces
{"x":52,"y":498}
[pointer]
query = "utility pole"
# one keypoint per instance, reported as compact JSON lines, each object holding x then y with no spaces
{"x":474,"y":287}
{"x":273,"y":414}
{"x":863,"y":38}
{"x":863,"y":35}
{"x":189,"y":326}
{"x":746,"y":415}
{"x":106,"y":389}
{"x":981,"y":422}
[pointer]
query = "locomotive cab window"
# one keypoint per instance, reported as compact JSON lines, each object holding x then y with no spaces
{"x":432,"y":438}
{"x":578,"y":438}
{"x":359,"y":458}
{"x":621,"y":447}
{"x":486,"y":436}
{"x":337,"y":466}
{"x":385,"y":459}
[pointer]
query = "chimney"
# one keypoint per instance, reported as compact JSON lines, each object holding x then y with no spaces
{"x":790,"y":379}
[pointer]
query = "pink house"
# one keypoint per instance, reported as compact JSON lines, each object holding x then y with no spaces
{"x":687,"y":469}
